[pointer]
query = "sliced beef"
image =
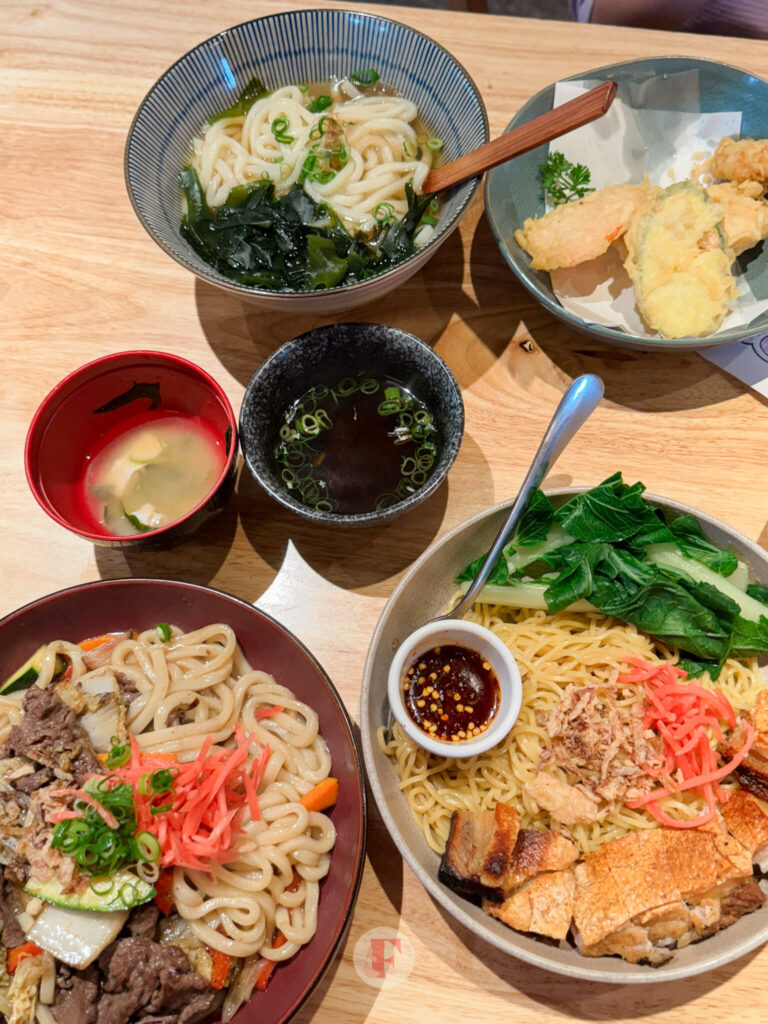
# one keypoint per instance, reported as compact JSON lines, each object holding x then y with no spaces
{"x":11,"y":904}
{"x":127,"y":687}
{"x":142,"y":924}
{"x":29,"y":783}
{"x":50,"y":735}
{"x":147,"y":981}
{"x":77,"y":995}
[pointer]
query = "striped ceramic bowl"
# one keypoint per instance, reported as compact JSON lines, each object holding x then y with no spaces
{"x":296,"y":47}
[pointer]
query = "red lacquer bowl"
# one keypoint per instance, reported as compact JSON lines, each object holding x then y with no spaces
{"x":100,"y":400}
{"x":111,"y":605}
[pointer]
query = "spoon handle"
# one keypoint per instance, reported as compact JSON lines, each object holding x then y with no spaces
{"x":576,"y":405}
{"x":573,"y":114}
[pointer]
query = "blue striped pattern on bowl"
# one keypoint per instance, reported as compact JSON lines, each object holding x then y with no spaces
{"x":295,"y":47}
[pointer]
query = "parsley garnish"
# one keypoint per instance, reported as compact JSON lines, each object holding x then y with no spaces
{"x":563,"y":180}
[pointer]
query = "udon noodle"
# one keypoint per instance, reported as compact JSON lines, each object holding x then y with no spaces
{"x":552,"y":651}
{"x":380,"y":146}
{"x":198,"y":685}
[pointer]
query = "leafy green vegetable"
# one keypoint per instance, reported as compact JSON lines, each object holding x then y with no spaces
{"x":563,"y":180}
{"x":290,"y":242}
{"x":254,"y":90}
{"x":614,"y":549}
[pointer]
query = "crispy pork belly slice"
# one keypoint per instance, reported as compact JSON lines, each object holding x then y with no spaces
{"x":598,"y":907}
{"x":640,"y":868}
{"x":500,"y":850}
{"x":742,"y":898}
{"x":746,"y":818}
{"x":704,"y":863}
{"x":479,"y":850}
{"x":543,"y":905}
{"x":631,"y":943}
{"x":752,"y":773}
{"x":537,"y":851}
{"x":567,"y":804}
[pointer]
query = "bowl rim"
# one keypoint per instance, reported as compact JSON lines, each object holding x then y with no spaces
{"x":31,"y":445}
{"x":470,"y":634}
{"x":213,"y":277}
{"x":353,"y":518}
{"x":448,"y":901}
{"x":342,"y":925}
{"x":609,"y":335}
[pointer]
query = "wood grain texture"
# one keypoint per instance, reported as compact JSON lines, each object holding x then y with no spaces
{"x":81,"y":278}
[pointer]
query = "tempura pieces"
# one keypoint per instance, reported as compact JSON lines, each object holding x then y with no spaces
{"x":678,"y":263}
{"x":582,"y":230}
{"x":741,"y":160}
{"x":745,"y":213}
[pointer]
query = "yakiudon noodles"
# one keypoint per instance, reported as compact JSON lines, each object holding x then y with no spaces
{"x":167,"y":801}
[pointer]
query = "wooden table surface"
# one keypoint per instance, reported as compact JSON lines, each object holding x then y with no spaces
{"x":81,"y":278}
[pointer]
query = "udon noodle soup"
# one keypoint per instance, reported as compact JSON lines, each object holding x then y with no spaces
{"x":354,"y":148}
{"x":224,"y":776}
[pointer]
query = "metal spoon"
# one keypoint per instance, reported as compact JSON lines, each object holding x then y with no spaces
{"x":576,"y":405}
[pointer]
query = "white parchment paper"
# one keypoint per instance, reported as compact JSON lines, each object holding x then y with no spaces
{"x":666,"y":145}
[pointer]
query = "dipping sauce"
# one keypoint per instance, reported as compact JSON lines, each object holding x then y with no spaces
{"x":360,"y":446}
{"x":153,"y":474}
{"x":451,"y":692}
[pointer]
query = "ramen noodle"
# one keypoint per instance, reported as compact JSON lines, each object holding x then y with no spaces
{"x":552,"y":652}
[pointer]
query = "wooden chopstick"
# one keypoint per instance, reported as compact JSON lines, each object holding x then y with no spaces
{"x":556,"y":122}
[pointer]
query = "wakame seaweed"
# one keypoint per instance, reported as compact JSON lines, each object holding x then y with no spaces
{"x":290,"y":242}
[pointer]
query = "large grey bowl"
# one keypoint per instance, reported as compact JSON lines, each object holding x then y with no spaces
{"x":424,"y":591}
{"x":513,"y":190}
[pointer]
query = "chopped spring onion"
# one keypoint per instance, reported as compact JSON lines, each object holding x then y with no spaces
{"x":280,"y":127}
{"x":319,"y":104}
{"x":384,"y":213}
{"x":434,"y":144}
{"x":149,"y":848}
{"x":164,"y":632}
{"x":118,"y":755}
{"x":366,"y":77}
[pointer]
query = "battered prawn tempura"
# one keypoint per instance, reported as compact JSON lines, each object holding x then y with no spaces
{"x":582,"y":230}
{"x":742,"y":160}
{"x":745,"y":213}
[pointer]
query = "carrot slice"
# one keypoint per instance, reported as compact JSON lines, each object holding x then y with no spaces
{"x":92,"y":642}
{"x":266,"y":971}
{"x":323,"y":795}
{"x":220,"y":969}
{"x":19,"y":953}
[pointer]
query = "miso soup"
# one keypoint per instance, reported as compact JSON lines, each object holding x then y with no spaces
{"x":153,"y":475}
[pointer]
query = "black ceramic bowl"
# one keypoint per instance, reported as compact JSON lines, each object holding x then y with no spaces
{"x":326,"y":355}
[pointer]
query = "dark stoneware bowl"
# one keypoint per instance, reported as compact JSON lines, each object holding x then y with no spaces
{"x":103,"y":607}
{"x":324,"y":356}
{"x":72,"y":417}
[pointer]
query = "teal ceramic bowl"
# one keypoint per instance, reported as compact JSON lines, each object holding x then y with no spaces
{"x":513,"y":191}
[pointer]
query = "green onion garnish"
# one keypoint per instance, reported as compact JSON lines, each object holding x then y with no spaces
{"x":279,"y":129}
{"x":366,"y":77}
{"x":319,"y":104}
{"x":119,"y":754}
{"x":434,"y":144}
{"x":149,"y":848}
{"x":163,"y":631}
